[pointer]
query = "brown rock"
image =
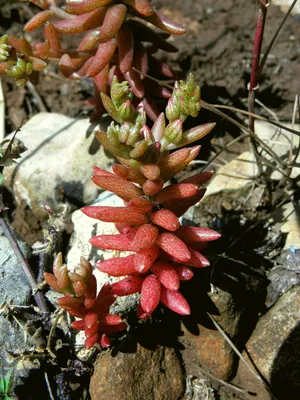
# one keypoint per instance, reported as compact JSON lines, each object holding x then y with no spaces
{"x":274,"y":348}
{"x":208,"y":348}
{"x":142,"y":374}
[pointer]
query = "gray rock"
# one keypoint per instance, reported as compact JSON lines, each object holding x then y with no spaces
{"x":14,"y":286}
{"x":17,"y":334}
{"x":274,"y":348}
{"x":59,"y":159}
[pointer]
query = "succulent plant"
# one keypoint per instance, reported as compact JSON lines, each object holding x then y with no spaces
{"x":115,"y":42}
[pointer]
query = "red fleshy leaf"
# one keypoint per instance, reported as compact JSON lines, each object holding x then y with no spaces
{"x":151,"y":108}
{"x":162,"y":22}
{"x":111,"y":319}
{"x":166,"y":219}
{"x":167,"y":275}
{"x":51,"y":35}
{"x":90,"y":341}
{"x":141,"y":6}
{"x":177,"y":191}
{"x":172,"y":245}
{"x":151,"y":188}
{"x":126,"y":48}
{"x":128,"y":173}
{"x":175,"y":301}
{"x":199,"y":179}
{"x":79,"y":325}
{"x":141,"y":314}
{"x":150,"y":293}
{"x":38,"y":20}
{"x":135,"y":83}
{"x":192,"y":234}
{"x":104,"y":341}
{"x":196,"y":260}
{"x":151,"y":171}
{"x":117,"y":266}
{"x":112,"y":242}
{"x":130,"y":285}
{"x":184,"y":273}
{"x":141,"y":60}
{"x":85,"y":6}
{"x":124,"y":189}
{"x":179,"y":207}
{"x":112,"y":23}
{"x":145,"y":237}
{"x":81,"y":23}
{"x":176,"y":161}
{"x":103,"y":56}
{"x":140,"y":204}
{"x":115,"y":214}
{"x":144,"y":259}
{"x":101,"y":172}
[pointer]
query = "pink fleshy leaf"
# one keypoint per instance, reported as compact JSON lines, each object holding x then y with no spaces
{"x":104,"y":341}
{"x":141,"y":6}
{"x":51,"y":35}
{"x":199,"y":179}
{"x":179,"y":207}
{"x":117,"y":266}
{"x":130,"y":285}
{"x":167,"y":275}
{"x":162,"y":22}
{"x":135,"y":83}
{"x":140,"y":204}
{"x":172,"y":245}
{"x":112,"y":23}
{"x":150,"y":293}
{"x":38,"y":20}
{"x":115,"y":214}
{"x":151,"y":188}
{"x":177,"y":191}
{"x":80,"y":23}
{"x":194,"y":234}
{"x":176,"y":161}
{"x":145,"y":237}
{"x":166,"y":219}
{"x":85,"y":6}
{"x":112,"y":242}
{"x":144,"y":259}
{"x":184,"y":273}
{"x":175,"y":301}
{"x":125,"y":48}
{"x":103,"y":56}
{"x":124,"y":189}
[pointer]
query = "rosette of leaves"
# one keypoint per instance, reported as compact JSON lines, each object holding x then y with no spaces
{"x":80,"y":299}
{"x":148,"y":224}
{"x":21,"y":61}
{"x":115,"y":42}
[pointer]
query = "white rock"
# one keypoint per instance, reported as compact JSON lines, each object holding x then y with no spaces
{"x":57,"y":161}
{"x":84,"y":229}
{"x":285,"y":5}
{"x":235,"y":175}
{"x":281,"y":142}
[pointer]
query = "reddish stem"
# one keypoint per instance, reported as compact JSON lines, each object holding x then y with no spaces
{"x":259,"y":33}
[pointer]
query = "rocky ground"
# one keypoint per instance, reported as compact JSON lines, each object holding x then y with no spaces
{"x":252,"y":289}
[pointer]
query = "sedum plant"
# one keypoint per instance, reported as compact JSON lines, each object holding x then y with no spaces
{"x":114,"y":42}
{"x":162,"y":251}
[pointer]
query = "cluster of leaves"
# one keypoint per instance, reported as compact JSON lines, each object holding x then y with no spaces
{"x":80,"y":299}
{"x":115,"y":43}
{"x":163,"y":251}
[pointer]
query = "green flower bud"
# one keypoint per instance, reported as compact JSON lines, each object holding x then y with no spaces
{"x":173,"y":132}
